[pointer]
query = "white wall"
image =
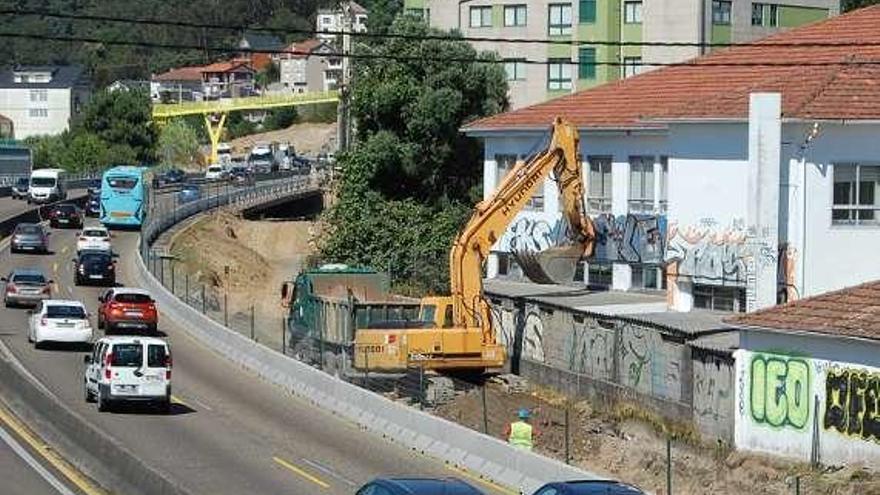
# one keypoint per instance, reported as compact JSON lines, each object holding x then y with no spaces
{"x":16,"y":103}
{"x":820,"y":396}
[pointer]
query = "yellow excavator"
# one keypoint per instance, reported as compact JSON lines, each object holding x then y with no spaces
{"x":456,"y":332}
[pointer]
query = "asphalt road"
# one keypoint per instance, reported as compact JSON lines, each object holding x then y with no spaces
{"x":23,"y":473}
{"x":229,"y":432}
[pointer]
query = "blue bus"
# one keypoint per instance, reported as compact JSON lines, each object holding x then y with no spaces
{"x":124,"y":196}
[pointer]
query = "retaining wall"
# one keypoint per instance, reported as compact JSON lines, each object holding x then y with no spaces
{"x":612,"y":359}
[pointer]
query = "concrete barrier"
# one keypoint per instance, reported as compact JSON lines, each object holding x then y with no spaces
{"x":430,"y":435}
{"x":87,"y":447}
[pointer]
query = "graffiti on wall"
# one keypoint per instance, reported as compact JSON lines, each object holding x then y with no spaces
{"x":591,"y":349}
{"x":630,"y":238}
{"x":852,"y":403}
{"x":779,"y":391}
{"x":529,"y":234}
{"x":708,"y":254}
{"x":788,"y":272}
{"x":713,"y":385}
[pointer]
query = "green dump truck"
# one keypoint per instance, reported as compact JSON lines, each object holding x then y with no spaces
{"x":330,"y":303}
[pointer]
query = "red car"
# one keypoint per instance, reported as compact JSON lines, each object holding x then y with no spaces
{"x":66,"y":215}
{"x":127,"y":308}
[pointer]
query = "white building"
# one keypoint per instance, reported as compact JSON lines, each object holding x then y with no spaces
{"x":703,"y":182}
{"x":333,"y":20}
{"x":309,"y":65}
{"x":42,"y":100}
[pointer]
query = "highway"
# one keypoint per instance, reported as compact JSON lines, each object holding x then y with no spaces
{"x":229,"y":432}
{"x":10,"y":207}
{"x":24,"y":472}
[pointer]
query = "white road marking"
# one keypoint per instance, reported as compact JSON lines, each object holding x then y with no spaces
{"x":34,"y":464}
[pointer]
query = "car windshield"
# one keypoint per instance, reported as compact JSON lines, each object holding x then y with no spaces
{"x":127,"y":355}
{"x":215,"y":169}
{"x":28,"y":230}
{"x":94,"y":184}
{"x":190,"y":187}
{"x":65,"y":208}
{"x":95,"y":233}
{"x":122,"y":182}
{"x":22,"y":182}
{"x":94,"y":258}
{"x":43,"y":181}
{"x":133,"y":298}
{"x":29,"y":278}
{"x":66,"y":311}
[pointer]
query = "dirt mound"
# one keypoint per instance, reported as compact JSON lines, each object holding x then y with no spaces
{"x":307,"y":138}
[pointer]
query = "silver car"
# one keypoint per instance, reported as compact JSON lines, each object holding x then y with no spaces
{"x":29,"y":237}
{"x":26,"y":287}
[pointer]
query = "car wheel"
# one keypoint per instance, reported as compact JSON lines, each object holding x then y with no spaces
{"x":76,"y":280}
{"x":7,"y":303}
{"x":38,"y":345}
{"x":165,"y":406}
{"x":88,"y":395}
{"x":100,"y":322}
{"x":152,"y":327}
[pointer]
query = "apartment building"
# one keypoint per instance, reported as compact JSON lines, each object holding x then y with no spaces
{"x":333,"y":20}
{"x":41,"y":100}
{"x":574,"y":67}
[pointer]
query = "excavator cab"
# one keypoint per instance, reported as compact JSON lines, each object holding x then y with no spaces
{"x":436,"y":310}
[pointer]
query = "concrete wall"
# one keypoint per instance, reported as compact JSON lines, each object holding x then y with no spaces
{"x":818,"y":399}
{"x":609,"y":359}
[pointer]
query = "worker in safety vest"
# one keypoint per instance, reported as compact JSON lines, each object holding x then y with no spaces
{"x":520,"y":432}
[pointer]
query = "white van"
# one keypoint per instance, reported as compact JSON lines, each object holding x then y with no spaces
{"x":224,"y":153}
{"x":47,"y":185}
{"x":129,"y":369}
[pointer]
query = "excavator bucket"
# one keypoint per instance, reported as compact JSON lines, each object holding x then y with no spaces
{"x":554,"y":265}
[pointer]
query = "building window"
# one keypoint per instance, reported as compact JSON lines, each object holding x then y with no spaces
{"x":560,"y":19}
{"x":648,"y":277}
{"x":587,"y":11}
{"x":516,"y":70}
{"x":641,"y":184}
{"x":664,"y":181}
{"x":721,"y":12}
{"x":587,"y":63}
{"x":632,"y":12}
{"x":39,"y":95}
{"x":505,"y":163}
{"x":856,"y":198}
{"x":514,"y":15}
{"x":719,"y":298}
{"x":558,"y":74}
{"x":765,"y":14}
{"x":632,"y":66}
{"x":599,"y":194}
{"x":481,"y":17}
{"x":38,"y":113}
{"x":599,"y":276}
{"x":326,"y":20}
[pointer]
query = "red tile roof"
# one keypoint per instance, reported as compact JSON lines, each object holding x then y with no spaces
{"x":701,"y":90}
{"x":180,"y":74}
{"x":302,"y":49}
{"x":853,"y":312}
{"x":231,"y":66}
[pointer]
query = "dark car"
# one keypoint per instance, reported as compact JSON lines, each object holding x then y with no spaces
{"x":29,"y":237}
{"x":189,"y":192}
{"x":241,"y":176}
{"x":94,"y":267}
{"x":66,"y":215}
{"x":418,"y":486}
{"x":301,"y":165}
{"x":94,"y":188}
{"x":588,"y":487}
{"x":93,"y":206}
{"x":20,"y":188}
{"x":171,"y":176}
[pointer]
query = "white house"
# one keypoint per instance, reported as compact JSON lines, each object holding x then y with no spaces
{"x":808,"y":376}
{"x":728,"y":185}
{"x":309,"y":65}
{"x":42,"y":100}
{"x":333,"y":20}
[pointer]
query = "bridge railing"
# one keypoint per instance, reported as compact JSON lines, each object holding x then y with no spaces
{"x":163,"y":110}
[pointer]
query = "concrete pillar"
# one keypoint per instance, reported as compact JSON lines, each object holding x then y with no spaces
{"x":490,"y":179}
{"x":658,"y":172}
{"x":621,"y":277}
{"x":762,"y":208}
{"x":621,"y":273}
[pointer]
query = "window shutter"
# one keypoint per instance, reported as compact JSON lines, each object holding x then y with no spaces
{"x":587,"y":11}
{"x":587,"y":63}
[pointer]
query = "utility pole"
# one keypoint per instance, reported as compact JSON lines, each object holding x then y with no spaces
{"x":343,"y":113}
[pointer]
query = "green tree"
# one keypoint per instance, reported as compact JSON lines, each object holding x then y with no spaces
{"x":382,"y":14}
{"x":410,"y":183}
{"x":178,"y":144}
{"x":280,"y":118}
{"x":47,"y":150}
{"x":848,"y":5}
{"x":123,"y":118}
{"x":83,"y":152}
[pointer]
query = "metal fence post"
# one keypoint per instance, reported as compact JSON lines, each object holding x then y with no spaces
{"x":162,"y":269}
{"x":252,"y":322}
{"x":422,"y":387}
{"x":567,"y":435}
{"x":668,"y":465}
{"x":173,"y":285}
{"x":797,"y":485}
{"x":485,"y":411}
{"x":283,"y":336}
{"x":225,"y":307}
{"x":366,"y":368}
{"x":204,"y":301}
{"x":186,"y":288}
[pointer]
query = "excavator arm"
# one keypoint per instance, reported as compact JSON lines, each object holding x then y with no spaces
{"x":493,"y":215}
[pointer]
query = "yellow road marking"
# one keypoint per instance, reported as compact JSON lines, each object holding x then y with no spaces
{"x":490,"y":484}
{"x":281,"y":462}
{"x":64,"y":250}
{"x":55,"y":267}
{"x":177,"y":400}
{"x":52,"y":457}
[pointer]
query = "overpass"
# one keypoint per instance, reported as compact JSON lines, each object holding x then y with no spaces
{"x":215,"y":111}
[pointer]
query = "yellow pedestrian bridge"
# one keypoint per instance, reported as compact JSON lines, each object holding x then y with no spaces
{"x":215,"y":111}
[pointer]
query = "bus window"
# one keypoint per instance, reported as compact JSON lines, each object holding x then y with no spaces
{"x":122,"y":182}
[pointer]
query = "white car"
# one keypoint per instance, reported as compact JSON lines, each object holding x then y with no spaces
{"x":128,"y":369}
{"x":215,"y":172}
{"x":59,"y":320}
{"x":93,"y":238}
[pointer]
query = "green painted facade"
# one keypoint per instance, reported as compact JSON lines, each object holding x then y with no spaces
{"x":791,"y":16}
{"x":607,"y":27}
{"x":497,"y":15}
{"x":721,"y":33}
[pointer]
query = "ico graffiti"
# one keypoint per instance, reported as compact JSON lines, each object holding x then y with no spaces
{"x":779,"y":392}
{"x":852,"y":403}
